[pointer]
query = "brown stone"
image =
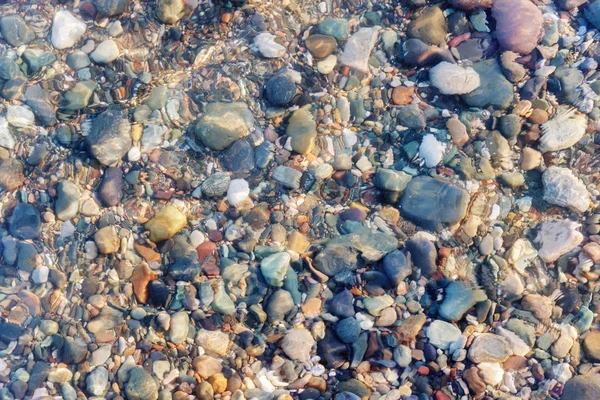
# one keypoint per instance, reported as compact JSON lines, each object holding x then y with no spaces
{"x":140,"y":278}
{"x":402,"y":95}
{"x":538,"y":116}
{"x":147,"y":253}
{"x":320,"y":46}
{"x":205,"y":249}
{"x":591,"y":345}
{"x":540,"y":306}
{"x":11,"y":174}
{"x":458,"y":131}
{"x":312,"y":307}
{"x":206,"y":366}
{"x":218,"y":382}
{"x":592,"y":250}
{"x":317,"y":383}
{"x":531,"y":159}
{"x":515,"y":363}
{"x":476,"y":384}
{"x":410,"y":327}
{"x":297,"y":242}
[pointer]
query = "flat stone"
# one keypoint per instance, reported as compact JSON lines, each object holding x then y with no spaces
{"x":564,"y":189}
{"x":79,"y":96}
{"x":67,"y":200}
{"x":297,"y":344}
{"x":433,"y":204}
{"x":488,"y":347}
{"x":111,"y":8}
{"x":556,"y":238}
{"x":15,"y":30}
{"x":265,"y":43}
{"x":223,"y":123}
{"x":336,"y":27}
{"x":494,"y":89}
{"x":97,"y":381}
{"x":563,"y":131}
{"x":179,"y":328}
{"x":397,"y":266}
{"x":107,"y":240}
{"x":372,"y":246}
{"x":442,"y":334}
{"x":110,"y":190}
{"x":518,"y":25}
{"x":109,"y":138}
{"x":458,"y":299}
{"x":287,"y":177}
{"x":106,"y":52}
{"x":25,"y":222}
{"x":171,"y":11}
{"x":141,"y":385}
{"x":582,"y":387}
{"x":357,"y":51}
{"x":214,"y":341}
{"x":451,"y":79}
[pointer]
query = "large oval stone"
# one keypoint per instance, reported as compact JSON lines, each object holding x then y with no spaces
{"x":433,"y":204}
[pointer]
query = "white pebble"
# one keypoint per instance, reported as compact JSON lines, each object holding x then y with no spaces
{"x":237,"y":192}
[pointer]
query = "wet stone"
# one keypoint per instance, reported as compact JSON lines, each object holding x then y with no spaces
{"x":429,"y":26}
{"x":25,"y":222}
{"x":15,"y":30}
{"x":280,"y":90}
{"x":223,"y":123}
{"x":494,"y":89}
{"x":239,"y":157}
{"x":320,"y":46}
{"x":111,"y":8}
{"x":336,"y":27}
{"x":110,"y":190}
{"x":109,"y":137}
{"x":433,"y":204}
{"x":140,"y":385}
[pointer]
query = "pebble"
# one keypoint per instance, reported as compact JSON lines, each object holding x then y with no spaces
{"x":223,"y":123}
{"x":67,"y":200}
{"x":25,"y":222}
{"x":280,"y":90}
{"x":66,"y":30}
{"x":450,"y":78}
{"x":358,"y":48}
{"x":109,"y":138}
{"x":166,"y":223}
{"x":564,"y":189}
{"x":556,"y":238}
{"x":489,"y":348}
{"x":267,"y":46}
{"x":297,"y":344}
{"x":238,"y":192}
{"x":106,"y":52}
{"x":320,"y":46}
{"x":274,"y":268}
{"x":442,"y":334}
{"x":433,"y":204}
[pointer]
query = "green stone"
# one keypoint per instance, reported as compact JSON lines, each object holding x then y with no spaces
{"x":78,"y":97}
